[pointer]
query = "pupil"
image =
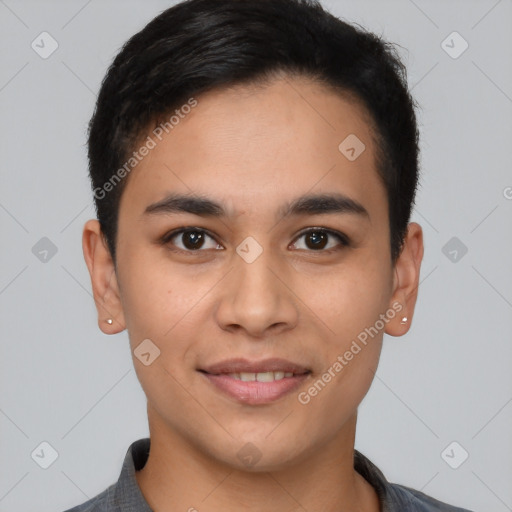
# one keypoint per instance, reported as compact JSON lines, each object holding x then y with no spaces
{"x":196,"y":238}
{"x":318,"y":237}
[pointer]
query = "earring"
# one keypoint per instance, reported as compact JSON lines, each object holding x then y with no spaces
{"x":110,"y":321}
{"x":404,"y":320}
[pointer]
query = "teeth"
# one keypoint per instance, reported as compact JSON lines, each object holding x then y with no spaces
{"x":265,"y":377}
{"x":260,"y":377}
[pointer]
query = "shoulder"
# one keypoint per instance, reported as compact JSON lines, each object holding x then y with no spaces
{"x":100,"y":503}
{"x":416,"y":501}
{"x":125,"y":494}
{"x":395,"y":497}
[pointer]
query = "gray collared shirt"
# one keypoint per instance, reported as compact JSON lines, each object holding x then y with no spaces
{"x":126,"y":496}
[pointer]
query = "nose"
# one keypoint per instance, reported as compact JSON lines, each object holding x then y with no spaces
{"x":258,"y":297}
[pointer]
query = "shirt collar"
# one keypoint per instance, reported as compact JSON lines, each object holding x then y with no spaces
{"x":127,"y":494}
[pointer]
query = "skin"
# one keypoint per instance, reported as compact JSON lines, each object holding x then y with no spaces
{"x":253,"y":149}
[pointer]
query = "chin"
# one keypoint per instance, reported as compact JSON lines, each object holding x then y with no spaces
{"x":257,"y":454}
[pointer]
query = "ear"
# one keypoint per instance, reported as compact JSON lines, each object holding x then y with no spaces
{"x":406,"y":280}
{"x":103,"y":278}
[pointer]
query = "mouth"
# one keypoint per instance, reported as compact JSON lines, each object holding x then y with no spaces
{"x":255,"y":383}
{"x":244,"y":366}
{"x":259,"y":376}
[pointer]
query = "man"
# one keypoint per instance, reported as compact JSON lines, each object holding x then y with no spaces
{"x":254,"y":165}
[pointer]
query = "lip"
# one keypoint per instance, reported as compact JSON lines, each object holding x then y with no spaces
{"x":255,"y":392}
{"x":239,"y":365}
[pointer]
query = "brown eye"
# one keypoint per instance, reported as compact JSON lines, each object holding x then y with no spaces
{"x":318,"y":239}
{"x":191,"y":240}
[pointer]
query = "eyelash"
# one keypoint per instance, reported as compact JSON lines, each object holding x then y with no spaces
{"x":343,"y":239}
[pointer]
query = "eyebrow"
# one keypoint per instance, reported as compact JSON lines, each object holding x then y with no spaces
{"x":309,"y":204}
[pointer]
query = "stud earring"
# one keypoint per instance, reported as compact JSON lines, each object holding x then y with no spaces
{"x":110,"y":321}
{"x":404,"y":320}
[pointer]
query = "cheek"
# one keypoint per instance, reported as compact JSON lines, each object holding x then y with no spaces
{"x":156,"y":304}
{"x":145,"y":280}
{"x":153,"y":296}
{"x":349,"y":300}
{"x":161,"y":302}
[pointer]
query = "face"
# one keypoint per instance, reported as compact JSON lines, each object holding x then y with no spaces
{"x":258,"y":275}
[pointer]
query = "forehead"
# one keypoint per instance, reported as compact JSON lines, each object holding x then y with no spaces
{"x":256,"y":146}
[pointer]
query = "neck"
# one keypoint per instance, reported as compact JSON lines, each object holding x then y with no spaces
{"x":180,"y":476}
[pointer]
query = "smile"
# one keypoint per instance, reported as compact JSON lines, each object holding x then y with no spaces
{"x":260,"y":377}
{"x":255,"y":388}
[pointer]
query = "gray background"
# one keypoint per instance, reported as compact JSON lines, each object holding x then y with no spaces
{"x":448,"y":379}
